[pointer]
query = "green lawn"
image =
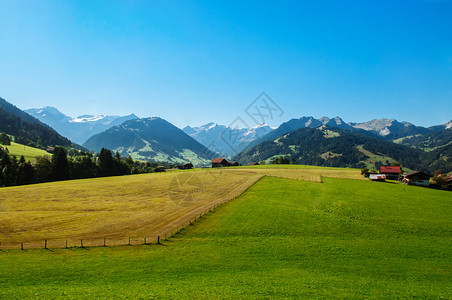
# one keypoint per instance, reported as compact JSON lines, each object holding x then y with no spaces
{"x":29,"y":153}
{"x":282,"y":238}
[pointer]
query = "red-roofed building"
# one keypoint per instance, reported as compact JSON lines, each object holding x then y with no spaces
{"x":391,"y":172}
{"x":219,"y":162}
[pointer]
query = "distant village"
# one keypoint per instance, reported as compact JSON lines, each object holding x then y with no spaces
{"x":390,"y":173}
{"x":411,"y":178}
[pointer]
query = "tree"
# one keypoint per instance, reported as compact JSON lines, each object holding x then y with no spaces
{"x":280,"y":161}
{"x":365,"y":172}
{"x":60,"y":164}
{"x":293,"y":161}
{"x":43,"y":169}
{"x":437,"y":173}
{"x":105,"y":162}
{"x":25,"y":172}
{"x":4,"y":139}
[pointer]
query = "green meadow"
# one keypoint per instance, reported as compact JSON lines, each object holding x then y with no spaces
{"x":29,"y":153}
{"x":282,"y":238}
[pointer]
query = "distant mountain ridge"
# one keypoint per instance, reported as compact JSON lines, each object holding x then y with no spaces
{"x":332,"y":147}
{"x":151,"y":139}
{"x":78,"y":129}
{"x":27,"y":129}
{"x":385,"y":129}
{"x":224,"y":140}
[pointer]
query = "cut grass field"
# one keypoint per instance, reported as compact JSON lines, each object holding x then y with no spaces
{"x":116,"y":208}
{"x":29,"y":153}
{"x":280,"y":239}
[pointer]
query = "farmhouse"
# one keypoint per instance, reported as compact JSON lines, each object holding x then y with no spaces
{"x":416,"y":178}
{"x":252,"y":164}
{"x":185,"y":166}
{"x":233,"y":163}
{"x":391,"y":172}
{"x":220,"y":162}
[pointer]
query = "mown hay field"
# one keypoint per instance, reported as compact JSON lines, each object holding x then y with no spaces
{"x":138,"y":206}
{"x":280,"y":239}
{"x":115,"y":208}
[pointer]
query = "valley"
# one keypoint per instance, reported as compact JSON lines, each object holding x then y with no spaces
{"x":280,"y":238}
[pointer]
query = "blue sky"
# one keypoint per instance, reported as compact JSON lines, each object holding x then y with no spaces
{"x":192,"y":62}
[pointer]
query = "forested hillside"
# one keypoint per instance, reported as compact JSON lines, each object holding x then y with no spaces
{"x":333,"y":147}
{"x":26,"y":129}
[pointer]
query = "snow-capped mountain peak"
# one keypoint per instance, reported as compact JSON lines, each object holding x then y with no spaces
{"x":77,"y":129}
{"x":448,"y":125}
{"x":87,"y":118}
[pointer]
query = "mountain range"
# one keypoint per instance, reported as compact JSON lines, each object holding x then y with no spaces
{"x":226,"y":141}
{"x":27,"y":129}
{"x":151,"y":139}
{"x":324,"y":141}
{"x":77,"y":129}
{"x":336,"y":147}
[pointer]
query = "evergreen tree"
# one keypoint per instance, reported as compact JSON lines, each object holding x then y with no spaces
{"x":60,"y":164}
{"x":4,"y":139}
{"x":25,"y":172}
{"x":43,"y":169}
{"x":106,"y":162}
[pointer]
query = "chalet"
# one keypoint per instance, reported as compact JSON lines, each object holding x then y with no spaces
{"x":49,"y":149}
{"x":233,"y":163}
{"x":377,"y":177}
{"x":416,"y":178}
{"x":391,"y":172}
{"x":252,"y":164}
{"x":220,"y":162}
{"x":185,"y":166}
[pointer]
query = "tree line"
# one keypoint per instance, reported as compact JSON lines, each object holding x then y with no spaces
{"x":61,"y":166}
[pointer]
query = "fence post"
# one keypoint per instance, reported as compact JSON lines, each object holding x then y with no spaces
{"x":66,"y":245}
{"x":145,"y":241}
{"x":158,"y":239}
{"x":21,"y":246}
{"x":129,"y":241}
{"x":81,"y":243}
{"x":45,"y":244}
{"x":105,"y":243}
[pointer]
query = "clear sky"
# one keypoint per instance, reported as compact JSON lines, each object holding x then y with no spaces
{"x":193,"y":62}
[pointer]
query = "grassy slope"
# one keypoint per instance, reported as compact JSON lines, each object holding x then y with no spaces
{"x":29,"y":153}
{"x":282,"y":238}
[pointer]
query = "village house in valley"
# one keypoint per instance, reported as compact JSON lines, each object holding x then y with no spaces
{"x":222,"y":162}
{"x":391,"y":172}
{"x":219,"y":162}
{"x":417,"y":178}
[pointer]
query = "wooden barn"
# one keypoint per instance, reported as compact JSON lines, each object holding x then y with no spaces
{"x":252,"y":164}
{"x":185,"y":166}
{"x":233,"y":163}
{"x":416,"y":178}
{"x":220,"y":162}
{"x":391,"y":172}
